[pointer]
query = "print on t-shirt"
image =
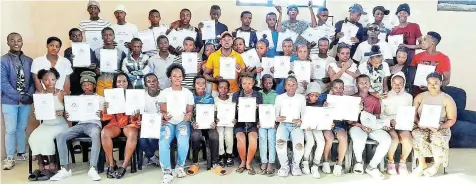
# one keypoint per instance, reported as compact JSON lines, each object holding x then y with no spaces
{"x":431,"y":63}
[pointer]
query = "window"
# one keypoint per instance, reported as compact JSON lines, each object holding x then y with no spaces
{"x":271,"y":3}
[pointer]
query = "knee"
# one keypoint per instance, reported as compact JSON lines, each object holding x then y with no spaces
{"x":196,"y":136}
{"x":240,"y":138}
{"x":299,"y":147}
{"x":405,"y":138}
{"x":328,"y":136}
{"x":252,"y":137}
{"x":105,"y":134}
{"x":213,"y":135}
{"x":342,"y":136}
{"x":281,"y":144}
{"x":183,"y":130}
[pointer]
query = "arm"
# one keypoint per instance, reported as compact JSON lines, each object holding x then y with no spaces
{"x":277,"y":107}
{"x":67,"y":85}
{"x":313,"y":17}
{"x":198,"y":40}
{"x":7,"y":88}
{"x":416,"y":104}
{"x":333,"y":75}
{"x":451,"y":114}
{"x":385,"y":84}
{"x":105,"y":116}
{"x":353,"y":74}
{"x":207,"y":73}
{"x":280,"y":18}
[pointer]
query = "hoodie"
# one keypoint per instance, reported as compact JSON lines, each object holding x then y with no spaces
{"x":394,"y":100}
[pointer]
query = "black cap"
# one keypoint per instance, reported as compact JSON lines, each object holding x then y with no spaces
{"x":381,"y":8}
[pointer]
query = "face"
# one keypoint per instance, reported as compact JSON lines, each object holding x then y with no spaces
{"x":209,"y":49}
{"x":323,"y":16}
{"x":93,"y":11}
{"x":188,"y":46}
{"x":267,"y":83}
{"x":239,"y":46}
{"x":136,"y":47}
{"x":323,"y":46}
{"x":373,"y":31}
{"x":15,"y":42}
{"x":313,"y":97}
{"x":176,"y":76}
{"x":76,"y":36}
{"x":49,"y":80}
{"x":226,"y":42}
{"x":261,"y":49}
{"x":376,"y":61}
{"x":246,"y":19}
{"x":271,"y":20}
{"x":163,"y":45}
{"x":154,"y":18}
{"x":223,"y":88}
{"x":122,"y":82}
{"x":108,"y":37}
{"x":379,"y":15}
{"x":401,"y":57}
{"x":302,"y":52}
{"x":293,"y":13}
{"x":363,"y":84}
{"x":120,"y":15}
{"x":338,"y":89}
{"x":88,"y":88}
{"x":200,"y":84}
{"x":426,"y":42}
{"x":354,"y":17}
{"x":215,"y":14}
{"x":402,"y":16}
{"x":247,"y":83}
{"x":53,"y":47}
{"x":288,"y":48}
{"x":433,"y":84}
{"x":291,"y":86}
{"x":397,"y":84}
{"x":185,"y":17}
{"x":344,"y":54}
{"x":152,"y":83}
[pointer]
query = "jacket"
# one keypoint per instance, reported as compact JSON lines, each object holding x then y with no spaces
{"x":9,"y":77}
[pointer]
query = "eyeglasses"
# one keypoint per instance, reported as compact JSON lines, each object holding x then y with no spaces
{"x":373,"y":29}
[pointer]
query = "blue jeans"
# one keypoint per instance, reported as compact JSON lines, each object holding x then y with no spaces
{"x":267,"y":139}
{"x":285,"y":132}
{"x":16,"y":119}
{"x":91,"y":130}
{"x":168,"y":132}
{"x":149,"y":146}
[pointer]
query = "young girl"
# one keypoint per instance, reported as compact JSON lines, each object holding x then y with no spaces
{"x":402,"y":55}
{"x":267,"y":136}
{"x":225,"y":134}
{"x":135,"y":64}
{"x":302,"y":55}
{"x":344,"y":69}
{"x":378,"y":72}
{"x":247,"y":130}
{"x":239,"y":45}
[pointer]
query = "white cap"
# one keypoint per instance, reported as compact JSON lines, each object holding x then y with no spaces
{"x":120,"y":7}
{"x":313,"y":87}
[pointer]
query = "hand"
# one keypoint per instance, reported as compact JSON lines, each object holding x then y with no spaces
{"x":188,"y":116}
{"x":195,"y":125}
{"x":59,"y":113}
{"x":393,"y":123}
{"x":340,"y":35}
{"x":234,"y":122}
{"x":217,"y":78}
{"x":114,"y":43}
{"x":297,"y":122}
{"x":92,"y":66}
{"x":127,"y":45}
{"x":250,"y":68}
{"x":272,"y":69}
{"x":105,"y":105}
{"x":280,"y":118}
{"x":99,"y":114}
{"x":166,"y":117}
{"x":175,"y":24}
{"x":259,"y":69}
{"x":332,"y":37}
{"x":178,"y":50}
{"x":311,"y":44}
{"x":354,"y":40}
{"x":366,"y":129}
{"x":238,"y":68}
{"x":383,"y":95}
{"x":326,"y":104}
{"x":345,"y":65}
{"x":387,"y":128}
{"x":278,"y":8}
{"x":66,"y":115}
{"x":310,"y":4}
{"x":259,"y":125}
{"x":200,"y":26}
{"x":136,"y":115}
{"x":213,"y":126}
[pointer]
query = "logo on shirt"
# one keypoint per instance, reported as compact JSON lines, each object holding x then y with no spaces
{"x":431,"y":63}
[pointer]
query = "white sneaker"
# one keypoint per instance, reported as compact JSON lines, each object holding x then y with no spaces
{"x":180,"y":172}
{"x":315,"y":172}
{"x":305,"y":168}
{"x":93,"y":174}
{"x":62,"y":174}
{"x":337,"y":170}
{"x":283,"y":171}
{"x":296,"y":170}
{"x":359,"y":168}
{"x":8,"y":164}
{"x":326,"y":168}
{"x":375,"y":173}
{"x":167,"y":179}
{"x":154,"y":160}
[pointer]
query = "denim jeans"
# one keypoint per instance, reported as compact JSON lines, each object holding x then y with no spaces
{"x":16,"y":119}
{"x":92,"y":130}
{"x":267,"y":145}
{"x":284,"y":132}
{"x":149,"y":146}
{"x":168,"y":132}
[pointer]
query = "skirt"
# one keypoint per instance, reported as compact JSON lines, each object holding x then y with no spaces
{"x":42,"y":138}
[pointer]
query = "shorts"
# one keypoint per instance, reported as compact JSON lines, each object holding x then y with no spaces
{"x":245,"y":129}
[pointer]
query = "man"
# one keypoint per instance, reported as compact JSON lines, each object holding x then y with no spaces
{"x":91,"y":128}
{"x":212,"y":67}
{"x":321,"y":62}
{"x":215,"y":14}
{"x":245,"y":31}
{"x":76,"y":36}
{"x":94,"y":25}
{"x":17,"y":89}
{"x":355,"y":11}
{"x":156,"y":29}
{"x":322,"y":17}
{"x":150,"y":145}
{"x":297,"y":26}
{"x":124,"y":31}
{"x":379,"y":12}
{"x":135,"y":64}
{"x":159,"y":62}
{"x":184,"y":24}
{"x":362,"y":52}
{"x":411,"y":31}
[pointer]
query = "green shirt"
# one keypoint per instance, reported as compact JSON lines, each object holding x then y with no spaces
{"x":268,"y":98}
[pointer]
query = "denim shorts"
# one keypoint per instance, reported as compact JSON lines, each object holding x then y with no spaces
{"x":246,"y":128}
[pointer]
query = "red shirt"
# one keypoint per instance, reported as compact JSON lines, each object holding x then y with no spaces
{"x":441,"y":61}
{"x":371,"y":104}
{"x":410,"y":33}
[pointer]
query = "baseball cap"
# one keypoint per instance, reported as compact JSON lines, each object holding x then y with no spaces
{"x":222,"y":35}
{"x":357,"y":8}
{"x":313,"y":87}
{"x":381,"y":8}
{"x":293,"y":6}
{"x":93,"y":3}
{"x":322,"y":9}
{"x":403,"y":7}
{"x":120,"y":7}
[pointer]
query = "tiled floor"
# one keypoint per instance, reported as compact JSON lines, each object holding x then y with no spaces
{"x":462,"y":170}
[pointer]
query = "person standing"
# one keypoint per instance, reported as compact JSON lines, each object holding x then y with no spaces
{"x":93,"y":26}
{"x":355,"y":11}
{"x":410,"y":31}
{"x":124,"y":31}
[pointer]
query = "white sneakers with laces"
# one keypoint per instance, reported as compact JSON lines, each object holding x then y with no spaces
{"x":326,"y":168}
{"x":8,"y":164}
{"x":62,"y":174}
{"x":93,"y":174}
{"x":305,"y":168}
{"x":315,"y":172}
{"x":167,"y":179}
{"x":180,"y":172}
{"x":337,"y":170}
{"x":375,"y":173}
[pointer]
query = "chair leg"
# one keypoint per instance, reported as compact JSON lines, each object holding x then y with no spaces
{"x":85,"y":150}
{"x":69,"y":143}
{"x":101,"y":160}
{"x":444,"y":171}
{"x":140,"y":155}
{"x":30,"y":161}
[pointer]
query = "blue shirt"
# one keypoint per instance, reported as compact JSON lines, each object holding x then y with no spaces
{"x":205,"y":99}
{"x":280,"y":83}
{"x":272,"y":52}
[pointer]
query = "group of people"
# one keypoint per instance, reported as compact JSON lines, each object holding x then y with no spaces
{"x":366,"y":69}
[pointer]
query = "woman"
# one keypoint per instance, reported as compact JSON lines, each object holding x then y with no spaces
{"x":42,"y":138}
{"x":119,"y":124}
{"x":344,"y":69}
{"x":433,"y":142}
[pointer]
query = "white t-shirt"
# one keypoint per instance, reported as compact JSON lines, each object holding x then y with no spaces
{"x":362,"y":52}
{"x":297,"y":106}
{"x":124,"y":33}
{"x":376,"y":77}
{"x":176,"y":102}
{"x":348,"y":79}
{"x":220,"y":101}
{"x":151,"y":103}
{"x":63,"y":66}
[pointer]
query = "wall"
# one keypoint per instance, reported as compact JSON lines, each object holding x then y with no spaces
{"x":37,"y":20}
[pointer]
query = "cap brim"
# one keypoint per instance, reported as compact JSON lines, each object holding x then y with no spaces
{"x":386,"y":12}
{"x":226,"y":34}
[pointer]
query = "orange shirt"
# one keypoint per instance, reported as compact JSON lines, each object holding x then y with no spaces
{"x":119,"y":120}
{"x":213,"y":63}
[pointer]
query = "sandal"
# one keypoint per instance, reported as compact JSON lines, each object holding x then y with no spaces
{"x":262,"y":171}
{"x":120,"y":173}
{"x":193,"y":169}
{"x":270,"y":173}
{"x":111,"y":172}
{"x":44,"y":175}
{"x":240,"y":169}
{"x":251,"y":171}
{"x":34,"y":175}
{"x":219,"y":170}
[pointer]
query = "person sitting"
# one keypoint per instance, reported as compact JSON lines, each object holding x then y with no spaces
{"x":150,"y":145}
{"x":267,"y":136}
{"x":378,"y":71}
{"x":344,"y":69}
{"x":433,"y":142}
{"x":225,"y":133}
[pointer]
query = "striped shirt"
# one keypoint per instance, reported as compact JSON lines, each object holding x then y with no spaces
{"x":93,"y":25}
{"x":188,"y":79}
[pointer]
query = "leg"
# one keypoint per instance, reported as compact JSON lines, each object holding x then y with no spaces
{"x":213,"y":142}
{"x":421,"y":147}
{"x":221,"y":140}
{"x":61,"y":140}
{"x":271,"y":150}
{"x":263,"y":145}
{"x":131,"y":133}
{"x":10,"y":115}
{"x":384,"y":141}
{"x":342,"y":148}
{"x":321,"y":143}
{"x":282,"y":137}
{"x":183,"y":140}
{"x":252,"y":145}
{"x":309,"y":144}
{"x":297,"y":138}
{"x":145,"y":144}
{"x":393,"y":145}
{"x":107,"y":134}
{"x":229,"y":140}
{"x":329,"y":136}
{"x":406,"y":140}
{"x":94,"y":132}
{"x":167,"y":134}
{"x":196,"y":144}
{"x":241,"y":145}
{"x":359,"y":138}
{"x":23,"y":113}
{"x":440,"y":149}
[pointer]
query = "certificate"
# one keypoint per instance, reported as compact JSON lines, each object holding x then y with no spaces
{"x":190,"y":62}
{"x":247,"y":109}
{"x":327,"y":30}
{"x":405,"y":118}
{"x":176,"y":107}
{"x":281,"y":3}
{"x":108,"y":60}
{"x":135,"y":101}
{"x":313,"y":34}
{"x":430,"y":116}
{"x":115,"y":98}
{"x":269,"y":37}
{"x":421,"y":74}
{"x":121,"y":38}
{"x":267,"y":64}
{"x":82,"y":54}
{"x":208,"y":30}
{"x":324,"y":117}
{"x":267,"y":116}
{"x":82,"y":108}
{"x":226,"y":114}
{"x":319,"y":65}
{"x":245,"y":35}
{"x":176,"y":38}
{"x":282,"y":36}
{"x":369,"y":120}
{"x":150,"y":125}
{"x":205,"y":115}
{"x":251,"y":58}
{"x":309,"y":121}
{"x":94,"y":39}
{"x":290,"y":109}
{"x":349,"y":30}
{"x":228,"y":68}
{"x":282,"y":66}
{"x":44,"y":106}
{"x":394,"y":41}
{"x":148,"y":40}
{"x":159,"y":31}
{"x":344,"y":107}
{"x":302,"y":70}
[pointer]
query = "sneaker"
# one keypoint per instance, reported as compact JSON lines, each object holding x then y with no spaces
{"x":154,"y":160}
{"x":326,"y":168}
{"x":167,"y":179}
{"x":93,"y":174}
{"x":283,"y":171}
{"x":62,"y":174}
{"x":402,"y":169}
{"x":375,"y":173}
{"x":315,"y":172}
{"x":391,"y":169}
{"x":221,"y":160}
{"x":296,"y":170}
{"x":21,"y":157}
{"x":229,"y":160}
{"x":180,"y":172}
{"x":8,"y":164}
{"x":305,"y":168}
{"x":337,"y":170}
{"x":359,"y":168}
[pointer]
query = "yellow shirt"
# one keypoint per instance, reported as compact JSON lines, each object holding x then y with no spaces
{"x":213,"y":63}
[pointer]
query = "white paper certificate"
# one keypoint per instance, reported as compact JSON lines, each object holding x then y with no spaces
{"x":150,"y":125}
{"x":176,"y":107}
{"x":148,"y":40}
{"x":309,"y":121}
{"x":226,"y":114}
{"x":159,"y":31}
{"x":369,"y":120}
{"x":82,"y":54}
{"x":282,"y":66}
{"x":108,"y":60}
{"x":344,"y":107}
{"x":405,"y":118}
{"x":290,"y":110}
{"x":190,"y":62}
{"x":245,"y":35}
{"x":205,"y":115}
{"x":208,"y":30}
{"x":282,"y":36}
{"x":251,"y":58}
{"x":267,"y":116}
{"x":430,"y":116}
{"x":135,"y":101}
{"x":324,"y":117}
{"x":115,"y":98}
{"x":267,"y":64}
{"x":394,"y":41}
{"x":302,"y":70}
{"x":313,"y":34}
{"x":94,"y":39}
{"x":319,"y":66}
{"x":421,"y":74}
{"x":349,"y":30}
{"x":227,"y":68}
{"x":247,"y":109}
{"x":44,"y":106}
{"x":81,"y":108}
{"x":176,"y":38}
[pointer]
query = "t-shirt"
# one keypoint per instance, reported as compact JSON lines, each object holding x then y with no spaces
{"x":376,"y":75}
{"x":362,"y":54}
{"x":176,"y":102}
{"x":410,"y":33}
{"x":270,"y":97}
{"x":253,"y":39}
{"x":159,"y":66}
{"x":124,"y":33}
{"x":348,"y":79}
{"x":440,"y":60}
{"x":298,"y":100}
{"x":93,"y":27}
{"x":272,"y":48}
{"x":151,"y":103}
{"x":213,"y":63}
{"x":298,"y":27}
{"x":63,"y":66}
{"x":371,"y":104}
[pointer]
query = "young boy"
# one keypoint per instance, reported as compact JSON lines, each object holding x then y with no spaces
{"x":245,"y":31}
{"x":93,"y":26}
{"x":124,"y":31}
{"x":267,"y":136}
{"x":273,"y":22}
{"x":184,"y":24}
{"x":189,"y":46}
{"x":135,"y":64}
{"x":225,"y":134}
{"x":149,"y":145}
